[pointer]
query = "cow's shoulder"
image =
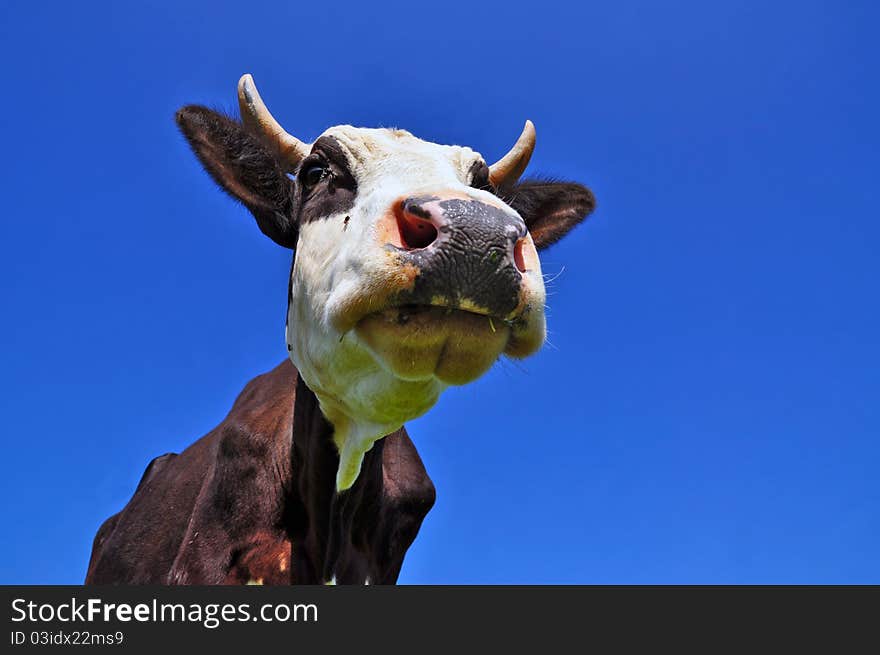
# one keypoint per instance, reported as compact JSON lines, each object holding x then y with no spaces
{"x":244,"y":487}
{"x":153,"y":468}
{"x":179,"y":496}
{"x":251,"y":466}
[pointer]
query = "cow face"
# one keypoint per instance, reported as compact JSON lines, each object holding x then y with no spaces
{"x":415,"y":263}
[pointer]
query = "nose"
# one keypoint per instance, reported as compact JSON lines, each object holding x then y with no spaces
{"x":422,"y":220}
{"x":465,"y":249}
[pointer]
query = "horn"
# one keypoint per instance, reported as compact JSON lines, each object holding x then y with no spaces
{"x":256,"y":117}
{"x":511,"y":166}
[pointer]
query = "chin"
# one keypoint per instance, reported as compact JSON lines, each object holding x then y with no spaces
{"x":454,"y":346}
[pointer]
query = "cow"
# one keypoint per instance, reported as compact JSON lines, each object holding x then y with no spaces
{"x":415,"y":267}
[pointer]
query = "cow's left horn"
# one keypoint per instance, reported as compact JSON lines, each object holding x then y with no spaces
{"x":511,"y":166}
{"x":256,"y":117}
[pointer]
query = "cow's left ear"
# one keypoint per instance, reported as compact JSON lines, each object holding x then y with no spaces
{"x":550,"y":209}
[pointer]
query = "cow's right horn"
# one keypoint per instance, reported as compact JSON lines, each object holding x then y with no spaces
{"x":511,"y":166}
{"x":257,"y":118}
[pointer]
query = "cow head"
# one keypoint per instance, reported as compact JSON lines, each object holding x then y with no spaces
{"x":415,"y":264}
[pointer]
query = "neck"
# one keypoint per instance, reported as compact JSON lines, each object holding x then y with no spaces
{"x":362,"y":401}
{"x":360,"y":534}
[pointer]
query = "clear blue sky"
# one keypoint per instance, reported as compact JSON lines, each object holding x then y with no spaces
{"x":707,"y":410}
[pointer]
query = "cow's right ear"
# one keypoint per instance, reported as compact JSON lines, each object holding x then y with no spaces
{"x":243,"y":168}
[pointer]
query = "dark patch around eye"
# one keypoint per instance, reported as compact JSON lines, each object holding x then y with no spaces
{"x":478,"y":174}
{"x":336,"y":191}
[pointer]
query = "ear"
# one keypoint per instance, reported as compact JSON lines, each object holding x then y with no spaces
{"x":550,"y":209}
{"x":243,"y":168}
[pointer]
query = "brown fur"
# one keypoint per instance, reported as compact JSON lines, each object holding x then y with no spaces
{"x":254,"y":501}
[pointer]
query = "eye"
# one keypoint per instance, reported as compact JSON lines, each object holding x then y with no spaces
{"x":480,"y":176}
{"x":312,"y":174}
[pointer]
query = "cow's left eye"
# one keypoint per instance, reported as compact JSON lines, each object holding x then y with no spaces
{"x":313,"y":174}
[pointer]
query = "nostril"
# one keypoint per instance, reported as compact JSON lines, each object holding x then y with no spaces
{"x":416,"y":229}
{"x":518,"y":255}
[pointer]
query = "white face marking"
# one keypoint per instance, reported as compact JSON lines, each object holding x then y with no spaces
{"x":342,"y":273}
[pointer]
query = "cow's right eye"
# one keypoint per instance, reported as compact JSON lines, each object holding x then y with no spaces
{"x":313,"y":174}
{"x":480,"y":177}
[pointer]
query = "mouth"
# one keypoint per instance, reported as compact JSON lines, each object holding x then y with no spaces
{"x":406,"y":312}
{"x":417,"y":342}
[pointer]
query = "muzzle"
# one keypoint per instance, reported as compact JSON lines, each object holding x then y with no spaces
{"x":468,"y":254}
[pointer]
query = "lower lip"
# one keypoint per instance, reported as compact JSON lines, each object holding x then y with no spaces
{"x":420,"y":342}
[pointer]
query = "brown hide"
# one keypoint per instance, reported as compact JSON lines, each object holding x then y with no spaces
{"x":254,"y":501}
